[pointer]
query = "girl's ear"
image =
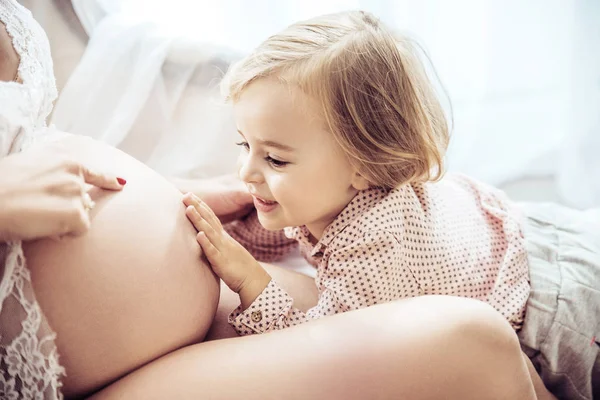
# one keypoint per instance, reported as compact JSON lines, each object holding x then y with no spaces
{"x":359,"y":182}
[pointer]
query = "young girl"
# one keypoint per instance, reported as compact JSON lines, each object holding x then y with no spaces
{"x":342,"y":142}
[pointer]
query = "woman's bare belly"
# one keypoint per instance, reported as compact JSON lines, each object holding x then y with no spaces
{"x":130,"y":290}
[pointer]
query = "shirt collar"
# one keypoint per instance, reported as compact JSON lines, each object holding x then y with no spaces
{"x":362,"y":202}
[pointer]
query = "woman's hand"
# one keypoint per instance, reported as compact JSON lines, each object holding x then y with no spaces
{"x":228,"y":259}
{"x":226,"y":195}
{"x":43,"y":194}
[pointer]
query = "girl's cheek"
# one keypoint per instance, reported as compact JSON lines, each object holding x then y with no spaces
{"x":240,"y":162}
{"x":277,"y":185}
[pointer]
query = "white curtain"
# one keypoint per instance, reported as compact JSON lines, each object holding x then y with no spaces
{"x":523,"y":79}
{"x":578,"y":172}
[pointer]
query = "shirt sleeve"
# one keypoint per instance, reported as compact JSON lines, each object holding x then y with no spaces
{"x":264,"y":245}
{"x":367,"y":272}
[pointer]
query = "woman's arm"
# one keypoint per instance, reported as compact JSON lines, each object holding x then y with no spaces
{"x":421,"y":348}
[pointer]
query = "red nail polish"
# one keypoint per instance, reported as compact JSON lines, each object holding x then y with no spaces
{"x":121,"y":181}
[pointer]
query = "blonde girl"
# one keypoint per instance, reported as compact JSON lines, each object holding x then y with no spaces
{"x":343,"y":140}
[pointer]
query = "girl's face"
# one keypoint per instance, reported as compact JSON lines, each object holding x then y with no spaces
{"x":290,"y":163}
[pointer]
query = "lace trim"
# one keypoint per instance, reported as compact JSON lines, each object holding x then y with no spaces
{"x":35,"y":69}
{"x":29,"y":367}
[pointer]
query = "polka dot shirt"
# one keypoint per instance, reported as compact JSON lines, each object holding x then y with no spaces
{"x":454,"y":237}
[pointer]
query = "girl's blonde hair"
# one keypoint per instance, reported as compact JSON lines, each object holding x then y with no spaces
{"x":375,"y":94}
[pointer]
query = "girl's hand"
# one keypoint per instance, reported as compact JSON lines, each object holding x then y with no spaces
{"x":229,"y":259}
{"x":43,"y":193}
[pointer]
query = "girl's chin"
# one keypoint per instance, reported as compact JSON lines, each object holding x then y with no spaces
{"x":270,"y":223}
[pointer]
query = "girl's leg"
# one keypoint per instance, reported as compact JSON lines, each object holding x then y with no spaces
{"x":421,"y":348}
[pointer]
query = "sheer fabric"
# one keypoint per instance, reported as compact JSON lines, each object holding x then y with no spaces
{"x":29,"y":366}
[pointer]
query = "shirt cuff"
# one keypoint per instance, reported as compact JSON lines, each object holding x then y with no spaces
{"x":265,"y":311}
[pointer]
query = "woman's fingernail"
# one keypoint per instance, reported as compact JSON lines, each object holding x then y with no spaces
{"x":121,"y":181}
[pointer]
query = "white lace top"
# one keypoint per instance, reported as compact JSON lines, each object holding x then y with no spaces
{"x":25,"y":105}
{"x":29,"y":367}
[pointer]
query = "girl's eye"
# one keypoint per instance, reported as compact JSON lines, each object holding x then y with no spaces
{"x":276,"y":163}
{"x":244,"y":145}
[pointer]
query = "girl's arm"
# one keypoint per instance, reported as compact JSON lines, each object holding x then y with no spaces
{"x":366,"y":272}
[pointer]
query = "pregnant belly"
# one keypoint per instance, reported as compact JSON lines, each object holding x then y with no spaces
{"x":130,"y":290}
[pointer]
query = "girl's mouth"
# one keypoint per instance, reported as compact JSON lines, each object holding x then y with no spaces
{"x":264,"y":205}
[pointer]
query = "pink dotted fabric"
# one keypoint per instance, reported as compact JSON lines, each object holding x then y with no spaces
{"x":455,"y":237}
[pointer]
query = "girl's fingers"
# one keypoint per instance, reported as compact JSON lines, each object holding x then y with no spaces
{"x":190,"y":199}
{"x":210,"y":216}
{"x":187,"y":199}
{"x":203,"y":226}
{"x":193,"y":210}
{"x":193,"y":216}
{"x":207,"y":213}
{"x":211,"y":252}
